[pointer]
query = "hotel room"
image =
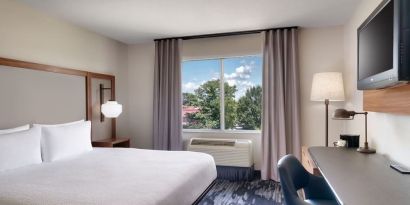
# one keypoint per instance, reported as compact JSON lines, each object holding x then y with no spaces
{"x":279,"y":102}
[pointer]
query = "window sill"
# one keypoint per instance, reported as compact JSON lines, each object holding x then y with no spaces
{"x":221,"y":131}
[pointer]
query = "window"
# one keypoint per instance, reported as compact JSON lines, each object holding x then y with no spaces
{"x":231,"y":86}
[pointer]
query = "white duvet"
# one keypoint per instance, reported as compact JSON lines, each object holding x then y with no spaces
{"x":108,"y":176}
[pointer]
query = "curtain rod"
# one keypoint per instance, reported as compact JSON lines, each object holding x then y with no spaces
{"x":225,"y":34}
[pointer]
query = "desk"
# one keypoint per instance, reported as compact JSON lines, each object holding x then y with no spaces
{"x":361,"y":179}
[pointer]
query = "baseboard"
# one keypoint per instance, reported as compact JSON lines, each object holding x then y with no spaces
{"x":235,"y":173}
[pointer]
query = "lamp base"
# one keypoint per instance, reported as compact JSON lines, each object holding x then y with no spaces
{"x":366,"y":150}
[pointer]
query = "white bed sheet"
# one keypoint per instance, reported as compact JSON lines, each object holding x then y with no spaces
{"x":111,"y":176}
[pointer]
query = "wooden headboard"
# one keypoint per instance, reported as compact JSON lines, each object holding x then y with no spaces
{"x":39,"y":93}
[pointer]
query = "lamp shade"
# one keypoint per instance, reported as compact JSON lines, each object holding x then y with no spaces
{"x":328,"y":85}
{"x":111,"y":109}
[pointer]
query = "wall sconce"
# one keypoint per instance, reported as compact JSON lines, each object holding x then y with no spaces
{"x":110,"y":109}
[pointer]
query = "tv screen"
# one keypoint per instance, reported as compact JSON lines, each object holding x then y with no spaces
{"x":376,"y":40}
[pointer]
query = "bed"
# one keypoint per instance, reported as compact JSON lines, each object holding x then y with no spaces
{"x":112,"y":176}
{"x":56,"y":163}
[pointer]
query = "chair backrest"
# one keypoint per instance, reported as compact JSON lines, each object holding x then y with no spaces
{"x":293,"y":176}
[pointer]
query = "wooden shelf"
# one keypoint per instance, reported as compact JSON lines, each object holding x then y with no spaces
{"x":112,"y":142}
{"x":389,"y":100}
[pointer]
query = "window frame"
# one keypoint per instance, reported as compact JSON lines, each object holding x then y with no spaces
{"x":221,"y":98}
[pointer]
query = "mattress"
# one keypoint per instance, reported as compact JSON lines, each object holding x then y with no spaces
{"x":111,"y":176}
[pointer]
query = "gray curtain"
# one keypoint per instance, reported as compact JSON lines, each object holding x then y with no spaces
{"x":281,"y":106}
{"x":167,"y":95}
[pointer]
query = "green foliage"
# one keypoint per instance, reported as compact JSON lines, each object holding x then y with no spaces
{"x":250,"y":109}
{"x":189,"y":99}
{"x":244,"y":113}
{"x":230,"y":106}
{"x":206,"y":97}
{"x":208,"y":101}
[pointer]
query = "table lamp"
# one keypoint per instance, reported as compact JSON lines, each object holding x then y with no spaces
{"x":327,"y":87}
{"x":342,"y":114}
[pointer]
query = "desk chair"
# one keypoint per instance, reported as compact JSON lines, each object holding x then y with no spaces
{"x":293,"y":176}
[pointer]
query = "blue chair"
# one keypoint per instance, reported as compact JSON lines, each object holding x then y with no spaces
{"x":293,"y":176}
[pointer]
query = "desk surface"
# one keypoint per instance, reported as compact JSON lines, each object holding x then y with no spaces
{"x":361,"y":179}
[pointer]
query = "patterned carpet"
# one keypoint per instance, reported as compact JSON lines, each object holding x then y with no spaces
{"x":243,"y":193}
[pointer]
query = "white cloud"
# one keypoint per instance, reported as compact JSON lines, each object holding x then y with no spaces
{"x":242,"y":72}
{"x":231,"y":82}
{"x":189,"y":87}
{"x":240,"y":78}
{"x":242,"y":86}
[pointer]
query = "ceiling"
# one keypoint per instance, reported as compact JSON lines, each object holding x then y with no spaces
{"x":135,"y":21}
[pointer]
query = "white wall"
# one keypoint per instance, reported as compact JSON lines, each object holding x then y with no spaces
{"x":204,"y":48}
{"x":388,"y":133}
{"x":141,"y":94}
{"x":321,"y":49}
{"x":29,"y":35}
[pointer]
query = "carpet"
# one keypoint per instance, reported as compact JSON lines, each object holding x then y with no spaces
{"x":256,"y":192}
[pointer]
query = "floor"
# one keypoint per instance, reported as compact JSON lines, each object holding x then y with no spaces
{"x":244,"y":192}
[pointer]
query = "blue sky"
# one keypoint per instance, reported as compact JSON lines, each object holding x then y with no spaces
{"x":244,"y":72}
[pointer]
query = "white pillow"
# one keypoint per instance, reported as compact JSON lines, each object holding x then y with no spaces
{"x":20,"y":149}
{"x":59,"y":125}
{"x":59,"y":142}
{"x":16,"y":129}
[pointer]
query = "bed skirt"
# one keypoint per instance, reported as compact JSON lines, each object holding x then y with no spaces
{"x":235,"y":173}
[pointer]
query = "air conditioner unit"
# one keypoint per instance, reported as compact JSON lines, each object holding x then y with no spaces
{"x":226,"y":152}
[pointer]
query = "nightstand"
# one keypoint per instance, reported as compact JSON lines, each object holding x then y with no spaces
{"x":112,"y":142}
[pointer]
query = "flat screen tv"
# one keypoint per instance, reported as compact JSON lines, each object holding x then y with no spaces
{"x":383,"y":46}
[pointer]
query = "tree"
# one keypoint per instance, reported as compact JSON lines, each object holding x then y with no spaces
{"x":189,"y":99}
{"x":250,"y":108}
{"x":207,"y":99}
{"x":208,"y":103}
{"x":230,"y":106}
